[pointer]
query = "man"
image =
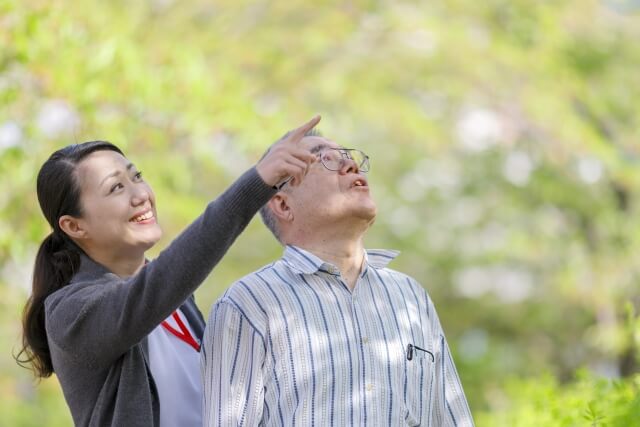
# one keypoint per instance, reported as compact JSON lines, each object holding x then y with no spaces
{"x":328,"y":335}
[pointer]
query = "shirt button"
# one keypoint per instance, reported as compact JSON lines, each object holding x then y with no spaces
{"x":365,"y":340}
{"x":369,"y":387}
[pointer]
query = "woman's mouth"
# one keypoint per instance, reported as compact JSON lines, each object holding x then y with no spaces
{"x":143,"y":218}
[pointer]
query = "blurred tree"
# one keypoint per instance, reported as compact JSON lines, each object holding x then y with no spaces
{"x":503,"y":136}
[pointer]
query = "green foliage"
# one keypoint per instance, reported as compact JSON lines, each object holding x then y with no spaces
{"x":586,"y":402}
{"x":504,"y":144}
{"x":26,"y":407}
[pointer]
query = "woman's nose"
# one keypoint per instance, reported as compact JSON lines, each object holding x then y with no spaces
{"x":141,"y":195}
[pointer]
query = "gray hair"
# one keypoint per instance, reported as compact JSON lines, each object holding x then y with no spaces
{"x":270,"y":221}
{"x":266,"y":214}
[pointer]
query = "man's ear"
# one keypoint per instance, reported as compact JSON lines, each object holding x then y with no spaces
{"x":280,"y":207}
{"x":73,"y":227}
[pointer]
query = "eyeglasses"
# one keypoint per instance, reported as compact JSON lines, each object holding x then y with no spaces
{"x":334,"y":159}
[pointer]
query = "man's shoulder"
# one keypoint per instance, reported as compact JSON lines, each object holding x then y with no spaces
{"x":253,"y":285}
{"x":403,"y":279}
{"x":254,"y":295}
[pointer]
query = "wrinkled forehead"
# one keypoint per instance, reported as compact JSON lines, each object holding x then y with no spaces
{"x":316,"y":144}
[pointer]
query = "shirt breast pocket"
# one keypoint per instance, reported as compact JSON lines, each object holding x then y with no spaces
{"x":420,"y":383}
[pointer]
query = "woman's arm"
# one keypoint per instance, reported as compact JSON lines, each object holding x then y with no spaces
{"x":102,"y":318}
{"x":98,"y":318}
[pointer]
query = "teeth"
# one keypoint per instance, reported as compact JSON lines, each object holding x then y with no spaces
{"x":146,"y":216}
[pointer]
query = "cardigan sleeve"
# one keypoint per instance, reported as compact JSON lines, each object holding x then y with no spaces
{"x":99,"y":316}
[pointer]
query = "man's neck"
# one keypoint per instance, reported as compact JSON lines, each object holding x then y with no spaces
{"x":347,"y":255}
{"x":337,"y":242}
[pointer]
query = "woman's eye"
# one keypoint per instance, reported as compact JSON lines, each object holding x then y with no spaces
{"x":116,"y":187}
{"x":138,"y":176}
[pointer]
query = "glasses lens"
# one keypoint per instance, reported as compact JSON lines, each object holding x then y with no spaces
{"x":361,"y":160}
{"x":334,"y":158}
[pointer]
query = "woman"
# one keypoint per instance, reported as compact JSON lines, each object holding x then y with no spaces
{"x":122,"y":334}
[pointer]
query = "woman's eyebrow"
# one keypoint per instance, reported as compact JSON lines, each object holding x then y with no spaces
{"x":116,"y":173}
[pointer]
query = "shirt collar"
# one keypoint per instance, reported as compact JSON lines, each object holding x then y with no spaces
{"x":307,"y":263}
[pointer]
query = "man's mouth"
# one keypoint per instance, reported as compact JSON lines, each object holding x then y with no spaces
{"x":359,"y":183}
{"x":142,"y":217}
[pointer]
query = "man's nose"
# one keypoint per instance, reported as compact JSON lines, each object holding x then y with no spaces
{"x":349,"y":166}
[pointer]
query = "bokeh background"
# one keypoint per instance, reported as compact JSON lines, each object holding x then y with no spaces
{"x":505,"y":145}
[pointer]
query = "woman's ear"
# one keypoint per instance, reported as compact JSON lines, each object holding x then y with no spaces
{"x":280,"y":207}
{"x":72,"y":227}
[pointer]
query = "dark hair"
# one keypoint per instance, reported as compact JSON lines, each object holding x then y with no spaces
{"x":58,"y":257}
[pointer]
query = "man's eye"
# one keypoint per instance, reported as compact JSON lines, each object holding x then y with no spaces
{"x":138,"y":176}
{"x":331,"y":156}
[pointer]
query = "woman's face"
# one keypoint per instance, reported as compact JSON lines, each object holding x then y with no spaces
{"x":118,"y":206}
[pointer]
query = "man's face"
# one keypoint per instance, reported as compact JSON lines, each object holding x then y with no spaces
{"x":326,"y":196}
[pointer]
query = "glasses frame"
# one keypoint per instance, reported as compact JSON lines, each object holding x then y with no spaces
{"x":364,"y":166}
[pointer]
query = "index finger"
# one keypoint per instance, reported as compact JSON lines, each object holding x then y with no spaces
{"x":298,"y":133}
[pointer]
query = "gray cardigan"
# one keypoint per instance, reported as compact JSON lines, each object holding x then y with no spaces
{"x":98,"y":324}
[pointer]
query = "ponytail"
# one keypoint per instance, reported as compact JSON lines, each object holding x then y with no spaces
{"x":58,"y":257}
{"x":57,"y":261}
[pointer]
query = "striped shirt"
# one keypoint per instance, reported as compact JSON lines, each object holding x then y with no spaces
{"x":291,"y":345}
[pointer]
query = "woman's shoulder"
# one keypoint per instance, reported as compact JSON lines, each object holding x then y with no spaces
{"x":88,"y":283}
{"x":75,"y":295}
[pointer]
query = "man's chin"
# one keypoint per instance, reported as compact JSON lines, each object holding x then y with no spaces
{"x":368,"y":214}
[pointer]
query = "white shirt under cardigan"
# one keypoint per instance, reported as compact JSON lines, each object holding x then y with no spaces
{"x":175,"y":367}
{"x":292,"y":345}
